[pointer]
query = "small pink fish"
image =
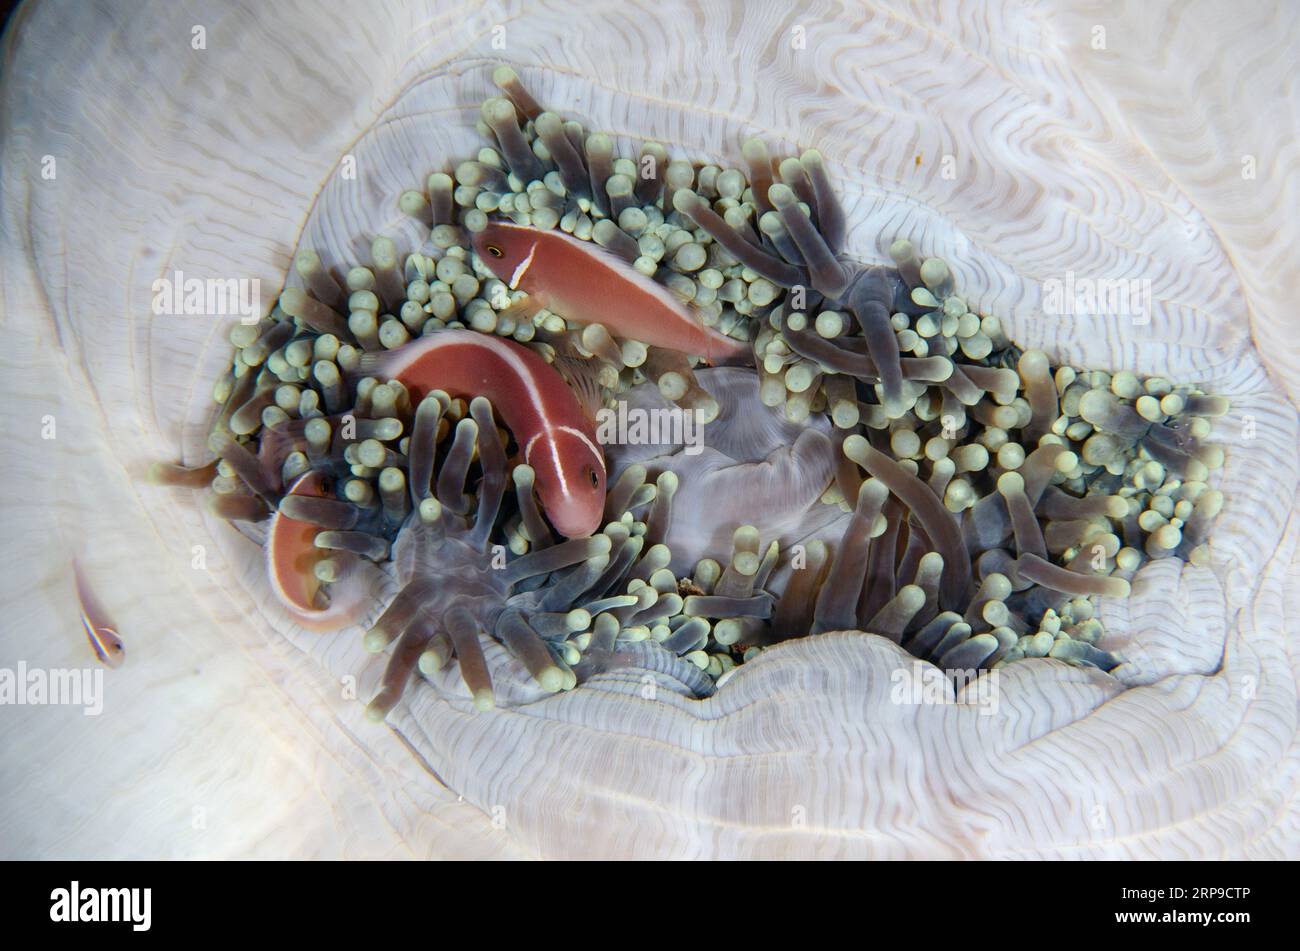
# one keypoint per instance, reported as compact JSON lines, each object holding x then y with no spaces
{"x":583,"y":282}
{"x":104,"y":640}
{"x":555,"y":434}
{"x":291,"y":554}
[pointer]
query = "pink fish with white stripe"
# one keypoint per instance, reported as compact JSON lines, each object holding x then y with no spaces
{"x":291,"y":554}
{"x":103,"y":638}
{"x":583,"y":282}
{"x":554,"y":432}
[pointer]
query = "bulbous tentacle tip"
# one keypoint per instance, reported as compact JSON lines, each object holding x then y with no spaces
{"x":436,"y":655}
{"x":551,"y":679}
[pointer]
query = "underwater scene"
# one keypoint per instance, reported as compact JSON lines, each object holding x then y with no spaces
{"x":557,"y":430}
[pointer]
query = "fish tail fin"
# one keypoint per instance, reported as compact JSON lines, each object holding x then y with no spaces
{"x":733,"y":353}
{"x":374,"y":363}
{"x":278,"y":441}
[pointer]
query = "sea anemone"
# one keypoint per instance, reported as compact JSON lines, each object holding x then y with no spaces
{"x":807,"y":749}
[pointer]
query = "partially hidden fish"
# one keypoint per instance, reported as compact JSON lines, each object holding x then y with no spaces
{"x":581,"y":281}
{"x":103,"y":637}
{"x":555,"y":433}
{"x":290,"y":555}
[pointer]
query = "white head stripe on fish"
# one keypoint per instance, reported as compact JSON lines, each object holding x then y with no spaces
{"x":548,"y":430}
{"x":104,"y":641}
{"x":528,"y":449}
{"x":555,"y":452}
{"x":523,"y":268}
{"x":583,"y":436}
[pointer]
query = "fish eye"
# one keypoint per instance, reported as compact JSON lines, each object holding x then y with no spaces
{"x":592,"y":477}
{"x":494,"y":251}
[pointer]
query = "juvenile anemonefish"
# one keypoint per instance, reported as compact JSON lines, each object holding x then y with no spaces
{"x":104,"y":640}
{"x":581,"y":281}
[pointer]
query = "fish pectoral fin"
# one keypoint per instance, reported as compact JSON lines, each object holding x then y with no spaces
{"x":522,"y":309}
{"x":583,"y":377}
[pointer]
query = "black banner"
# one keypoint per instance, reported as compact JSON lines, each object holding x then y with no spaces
{"x":373,"y":901}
